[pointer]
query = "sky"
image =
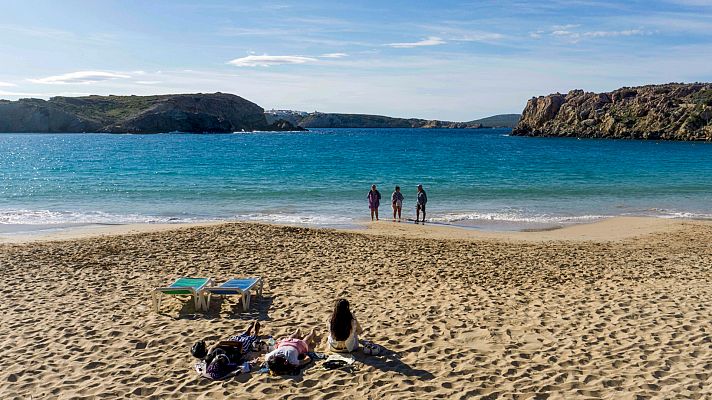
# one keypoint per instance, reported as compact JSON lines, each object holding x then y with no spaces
{"x":448,"y":60}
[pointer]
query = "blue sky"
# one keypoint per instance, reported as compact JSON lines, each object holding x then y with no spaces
{"x":454,"y":60}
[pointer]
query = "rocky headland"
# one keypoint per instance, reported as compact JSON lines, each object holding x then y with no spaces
{"x":336,"y":120}
{"x":674,"y":111}
{"x":213,"y":113}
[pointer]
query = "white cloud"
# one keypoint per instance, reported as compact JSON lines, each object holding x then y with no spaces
{"x":6,"y":84}
{"x":479,"y":37}
{"x":19,"y":95}
{"x":431,"y":41}
{"x":630,"y":32}
{"x":692,"y":3}
{"x":232,"y":31}
{"x":60,"y":35}
{"x":79,"y":77}
{"x":266,"y":60}
{"x":334,"y":55}
{"x":452,"y":31}
{"x":16,"y":94}
{"x":564,"y":27}
{"x":276,"y":6}
{"x":566,"y":32}
{"x":148,"y":82}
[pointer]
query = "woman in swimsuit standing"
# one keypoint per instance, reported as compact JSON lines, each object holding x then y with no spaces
{"x":374,"y":200}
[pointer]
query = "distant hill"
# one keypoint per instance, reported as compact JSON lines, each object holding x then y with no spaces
{"x":293,"y":117}
{"x":673,"y":111}
{"x":323,"y":120}
{"x":335,"y":120}
{"x":216,"y":112}
{"x":498,"y":121}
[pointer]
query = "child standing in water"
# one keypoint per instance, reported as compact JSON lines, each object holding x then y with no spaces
{"x":397,"y":203}
{"x":374,"y":200}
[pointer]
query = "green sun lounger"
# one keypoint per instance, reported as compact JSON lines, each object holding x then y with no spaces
{"x":186,"y":286}
{"x":235,"y":287}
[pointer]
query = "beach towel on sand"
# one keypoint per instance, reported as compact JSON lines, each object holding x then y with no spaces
{"x":344,"y":362}
{"x":347,"y":358}
{"x":202,"y":369}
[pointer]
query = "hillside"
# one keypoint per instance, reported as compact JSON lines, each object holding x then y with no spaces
{"x":217,"y":112}
{"x":674,"y":111}
{"x":335,"y":120}
{"x":322,"y":120}
{"x":498,"y":121}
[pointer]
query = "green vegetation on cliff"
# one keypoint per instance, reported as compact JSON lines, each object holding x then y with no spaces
{"x":674,"y":111}
{"x":216,"y":112}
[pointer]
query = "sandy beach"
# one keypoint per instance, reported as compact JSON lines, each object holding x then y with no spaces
{"x":620,"y":309}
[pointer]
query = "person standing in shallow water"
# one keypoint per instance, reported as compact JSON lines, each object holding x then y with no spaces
{"x":420,"y":204}
{"x":397,"y":203}
{"x":374,"y":200}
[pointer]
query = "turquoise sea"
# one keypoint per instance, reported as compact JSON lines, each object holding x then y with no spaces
{"x":474,"y":178}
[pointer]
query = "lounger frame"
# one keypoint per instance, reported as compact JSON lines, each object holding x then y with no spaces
{"x":244,"y":293}
{"x":196,"y":292}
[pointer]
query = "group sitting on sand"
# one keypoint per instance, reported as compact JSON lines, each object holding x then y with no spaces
{"x":287,"y":357}
{"x":374,"y":201}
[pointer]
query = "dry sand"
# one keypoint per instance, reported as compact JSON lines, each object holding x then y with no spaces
{"x":462,"y":315}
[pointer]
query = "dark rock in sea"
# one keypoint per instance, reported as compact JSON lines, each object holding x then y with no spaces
{"x":216,"y":113}
{"x":674,"y":111}
{"x":286,"y":126}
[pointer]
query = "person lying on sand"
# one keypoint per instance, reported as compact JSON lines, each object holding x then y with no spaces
{"x":343,"y":328}
{"x":226,"y":356}
{"x":291,"y":353}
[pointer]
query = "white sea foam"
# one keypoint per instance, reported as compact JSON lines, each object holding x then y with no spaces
{"x":49,"y":217}
{"x":509,"y":217}
{"x":515,"y":217}
{"x":671,"y":214}
{"x":300,"y":219}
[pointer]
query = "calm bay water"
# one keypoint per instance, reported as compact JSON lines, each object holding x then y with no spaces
{"x":481,"y":178}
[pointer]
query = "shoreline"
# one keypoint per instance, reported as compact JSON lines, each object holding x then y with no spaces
{"x":607,"y":229}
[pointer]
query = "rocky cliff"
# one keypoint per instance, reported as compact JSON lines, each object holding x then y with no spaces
{"x":217,"y":112}
{"x":672,"y":111}
{"x":333,"y":120}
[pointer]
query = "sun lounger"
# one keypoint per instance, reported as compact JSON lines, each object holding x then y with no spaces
{"x":234,"y":287}
{"x":184,"y":286}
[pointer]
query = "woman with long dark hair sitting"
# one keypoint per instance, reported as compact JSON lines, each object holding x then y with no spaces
{"x":343,"y":328}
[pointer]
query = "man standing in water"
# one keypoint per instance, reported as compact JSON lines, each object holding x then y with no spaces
{"x":420,"y":205}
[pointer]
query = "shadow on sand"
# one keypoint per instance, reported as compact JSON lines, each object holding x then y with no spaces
{"x":259,"y":309}
{"x":389,"y":361}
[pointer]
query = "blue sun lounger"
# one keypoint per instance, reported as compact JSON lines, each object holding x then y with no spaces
{"x":235,"y":287}
{"x":184,"y":286}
